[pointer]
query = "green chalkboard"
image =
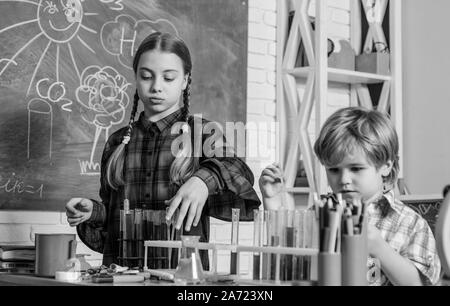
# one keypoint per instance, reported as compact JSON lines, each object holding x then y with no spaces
{"x":66,"y":83}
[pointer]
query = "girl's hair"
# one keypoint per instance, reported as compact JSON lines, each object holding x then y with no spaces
{"x":359,"y":128}
{"x":184,"y":165}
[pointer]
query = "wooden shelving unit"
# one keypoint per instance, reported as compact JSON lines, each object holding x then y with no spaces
{"x":294,"y":110}
{"x":341,"y":75}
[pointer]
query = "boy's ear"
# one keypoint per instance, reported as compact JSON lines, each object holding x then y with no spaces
{"x":386,"y":168}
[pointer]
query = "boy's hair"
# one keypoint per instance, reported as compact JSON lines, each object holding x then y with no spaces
{"x":357,"y":127}
{"x":184,"y":165}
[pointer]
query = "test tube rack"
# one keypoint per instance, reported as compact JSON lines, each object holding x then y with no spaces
{"x":232,"y":248}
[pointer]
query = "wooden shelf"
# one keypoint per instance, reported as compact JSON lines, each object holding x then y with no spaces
{"x":304,"y":91}
{"x":342,"y":75}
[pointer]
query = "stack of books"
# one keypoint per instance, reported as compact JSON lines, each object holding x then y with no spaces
{"x":17,"y":259}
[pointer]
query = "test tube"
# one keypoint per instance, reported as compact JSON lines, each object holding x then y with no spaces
{"x":169,"y":237}
{"x":145,"y":233}
{"x":149,"y":236}
{"x":309,"y":237}
{"x":175,"y":235}
{"x":234,"y":238}
{"x":125,"y":211}
{"x":256,"y":242}
{"x":164,"y":236}
{"x":279,"y":259}
{"x":265,"y":271}
{"x":288,"y":242}
{"x":299,"y":234}
{"x":131,"y":238}
{"x":157,"y":236}
{"x":121,"y":218}
{"x":139,"y":242}
{"x":274,"y":241}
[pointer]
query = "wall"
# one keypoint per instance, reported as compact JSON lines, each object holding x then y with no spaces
{"x":426,"y":80}
{"x":19,"y":227}
{"x":261,"y":111}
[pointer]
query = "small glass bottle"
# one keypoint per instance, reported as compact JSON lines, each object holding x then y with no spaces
{"x":189,"y":270}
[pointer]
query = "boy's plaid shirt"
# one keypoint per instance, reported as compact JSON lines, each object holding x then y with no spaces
{"x":408,"y":234}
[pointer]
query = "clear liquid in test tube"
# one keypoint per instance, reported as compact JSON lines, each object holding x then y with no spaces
{"x":234,"y":238}
{"x":288,"y":241}
{"x":138,"y":225}
{"x":257,"y":214}
{"x":265,"y":271}
{"x":273,"y":233}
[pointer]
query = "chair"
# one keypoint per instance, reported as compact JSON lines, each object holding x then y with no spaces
{"x":436,"y":211}
{"x":443,"y":235}
{"x":425,"y":205}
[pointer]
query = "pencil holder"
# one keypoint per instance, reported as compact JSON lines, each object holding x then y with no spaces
{"x":329,"y":269}
{"x":354,"y":260}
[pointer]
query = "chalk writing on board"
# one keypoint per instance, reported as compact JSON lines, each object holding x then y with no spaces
{"x":14,"y":184}
{"x":104,"y":100}
{"x":7,"y":60}
{"x":116,"y":4}
{"x":89,"y":167}
{"x":122,"y":36}
{"x":54,"y":93}
{"x":49,"y":49}
{"x":59,"y":22}
{"x":40,"y":110}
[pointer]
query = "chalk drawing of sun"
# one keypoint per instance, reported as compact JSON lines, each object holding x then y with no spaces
{"x":60,"y":22}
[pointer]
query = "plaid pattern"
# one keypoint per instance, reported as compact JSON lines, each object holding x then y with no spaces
{"x":408,"y":234}
{"x":148,"y":159}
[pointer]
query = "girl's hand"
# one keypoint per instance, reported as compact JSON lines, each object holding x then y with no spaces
{"x":375,"y":240}
{"x":192,"y":196}
{"x":78,"y":210}
{"x":271,"y":181}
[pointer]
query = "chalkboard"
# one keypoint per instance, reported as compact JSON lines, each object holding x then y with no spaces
{"x":55,"y":54}
{"x":427,"y":207}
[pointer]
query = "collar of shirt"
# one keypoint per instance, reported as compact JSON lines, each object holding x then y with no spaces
{"x":388,"y":201}
{"x":161,"y":124}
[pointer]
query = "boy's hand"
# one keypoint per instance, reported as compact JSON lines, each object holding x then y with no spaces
{"x":192,"y":196}
{"x":271,"y":181}
{"x":375,"y":240}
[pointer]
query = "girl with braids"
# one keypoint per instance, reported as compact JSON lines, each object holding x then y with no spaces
{"x":138,"y":164}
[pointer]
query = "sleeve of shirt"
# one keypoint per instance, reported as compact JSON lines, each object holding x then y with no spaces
{"x":230,"y":185}
{"x":422,"y":252}
{"x":211,"y":180}
{"x":93,"y":232}
{"x":228,"y":178}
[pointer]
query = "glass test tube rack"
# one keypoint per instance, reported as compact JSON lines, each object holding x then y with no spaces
{"x":215,"y":247}
{"x":138,"y":225}
{"x":284,"y":243}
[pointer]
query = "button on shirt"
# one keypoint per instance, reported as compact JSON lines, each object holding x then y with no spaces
{"x":148,"y":160}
